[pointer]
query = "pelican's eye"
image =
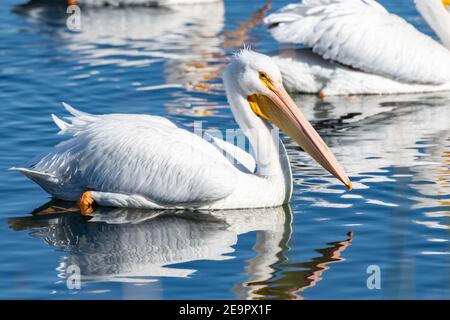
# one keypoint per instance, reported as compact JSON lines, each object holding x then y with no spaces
{"x":263,"y":76}
{"x":265,"y":79}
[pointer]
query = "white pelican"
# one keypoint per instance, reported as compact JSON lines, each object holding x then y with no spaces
{"x":360,"y":48}
{"x":141,"y":161}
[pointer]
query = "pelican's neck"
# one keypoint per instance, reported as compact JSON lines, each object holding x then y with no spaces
{"x":437,"y":17}
{"x":270,"y":155}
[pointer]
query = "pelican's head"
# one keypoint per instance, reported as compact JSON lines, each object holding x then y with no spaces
{"x":257,"y":79}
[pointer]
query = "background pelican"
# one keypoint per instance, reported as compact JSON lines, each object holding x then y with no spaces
{"x":188,"y":42}
{"x":148,"y":162}
{"x":360,"y":48}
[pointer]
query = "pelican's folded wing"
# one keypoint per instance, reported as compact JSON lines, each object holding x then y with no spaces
{"x":136,"y":155}
{"x":363,"y":35}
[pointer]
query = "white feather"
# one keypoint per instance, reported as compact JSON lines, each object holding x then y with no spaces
{"x":75,"y":112}
{"x":60,"y":123}
{"x":235,"y":153}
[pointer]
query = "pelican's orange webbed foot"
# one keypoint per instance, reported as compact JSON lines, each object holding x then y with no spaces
{"x":86,"y":204}
{"x":322,"y":95}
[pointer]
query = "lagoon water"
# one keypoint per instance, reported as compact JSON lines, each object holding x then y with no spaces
{"x":167,"y":62}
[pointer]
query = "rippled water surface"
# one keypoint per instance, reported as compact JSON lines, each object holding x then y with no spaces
{"x":168,"y":62}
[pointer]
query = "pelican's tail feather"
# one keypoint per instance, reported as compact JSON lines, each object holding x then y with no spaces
{"x":77,"y":121}
{"x":62,"y":125}
{"x":75,"y":112}
{"x":36,"y":176}
{"x":50,"y":183}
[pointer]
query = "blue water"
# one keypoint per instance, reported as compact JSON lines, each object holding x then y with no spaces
{"x":168,"y":62}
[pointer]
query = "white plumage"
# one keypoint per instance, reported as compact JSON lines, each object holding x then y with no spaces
{"x":143,"y":161}
{"x":135,"y":150}
{"x":361,"y":48}
{"x":138,"y":160}
{"x":305,"y":71}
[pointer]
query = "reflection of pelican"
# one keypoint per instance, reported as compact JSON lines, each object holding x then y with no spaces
{"x":411,"y":118}
{"x":384,"y":53}
{"x":131,"y":245}
{"x":376,"y":119}
{"x":117,"y":244}
{"x":186,"y":39}
{"x":147,"y":162}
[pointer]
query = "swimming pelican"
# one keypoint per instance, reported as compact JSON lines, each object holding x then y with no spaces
{"x":142,"y":161}
{"x":358,"y":47}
